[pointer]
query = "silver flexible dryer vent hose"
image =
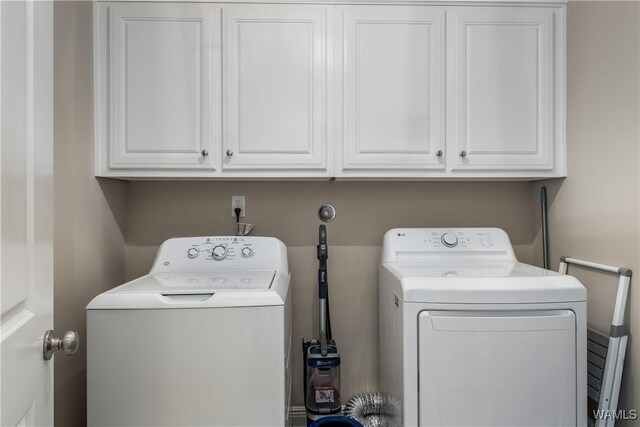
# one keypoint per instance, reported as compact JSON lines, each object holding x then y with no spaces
{"x":375,"y":410}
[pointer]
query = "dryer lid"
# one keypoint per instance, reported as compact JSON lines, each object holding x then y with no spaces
{"x":480,"y":283}
{"x":467,"y":266}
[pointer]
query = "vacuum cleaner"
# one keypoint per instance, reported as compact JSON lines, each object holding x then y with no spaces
{"x":321,"y":357}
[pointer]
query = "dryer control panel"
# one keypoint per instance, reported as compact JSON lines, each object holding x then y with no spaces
{"x":216,"y":253}
{"x":424,"y":244}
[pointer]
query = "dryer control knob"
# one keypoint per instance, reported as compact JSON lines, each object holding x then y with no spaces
{"x":449,"y":240}
{"x":219,"y":253}
{"x":247,"y":252}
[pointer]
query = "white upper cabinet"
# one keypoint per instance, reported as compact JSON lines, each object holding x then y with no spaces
{"x":506,"y":90}
{"x":393,"y":89}
{"x":446,"y":90}
{"x":275,"y":89}
{"x":158,"y":83}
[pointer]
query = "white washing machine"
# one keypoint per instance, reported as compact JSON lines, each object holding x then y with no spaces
{"x":469,"y":336}
{"x":203,"y":339}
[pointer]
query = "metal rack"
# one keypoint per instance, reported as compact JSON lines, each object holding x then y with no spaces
{"x":605,"y":355}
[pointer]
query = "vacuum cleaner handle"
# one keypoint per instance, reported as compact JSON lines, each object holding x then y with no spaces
{"x":323,"y":254}
{"x":323,"y":286}
{"x":323,"y":250}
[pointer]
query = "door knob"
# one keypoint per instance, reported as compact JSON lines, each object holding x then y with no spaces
{"x":204,"y":153}
{"x":229,"y":153}
{"x":463,"y":153}
{"x":69,"y":343}
{"x":439,"y":153}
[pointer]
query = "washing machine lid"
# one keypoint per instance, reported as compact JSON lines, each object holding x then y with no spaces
{"x":196,"y":290}
{"x":189,"y":283}
{"x":479,"y":282}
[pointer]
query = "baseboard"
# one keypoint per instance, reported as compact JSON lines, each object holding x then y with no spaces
{"x":298,"y":416}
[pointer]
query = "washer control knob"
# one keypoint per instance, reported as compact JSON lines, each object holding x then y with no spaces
{"x":193,"y":252}
{"x":247,"y":252}
{"x":219,"y":253}
{"x":449,"y":240}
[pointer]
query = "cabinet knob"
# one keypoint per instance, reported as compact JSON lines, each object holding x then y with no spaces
{"x":463,"y":153}
{"x":229,"y":153}
{"x":439,"y":153}
{"x":204,"y":153}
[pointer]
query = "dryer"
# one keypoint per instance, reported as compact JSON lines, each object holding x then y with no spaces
{"x":469,"y":336}
{"x":203,"y":339}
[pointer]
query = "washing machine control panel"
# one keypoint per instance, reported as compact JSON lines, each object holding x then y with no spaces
{"x":441,"y":243}
{"x":193,"y":252}
{"x":247,"y":252}
{"x":221,"y":252}
{"x":222,"y":248}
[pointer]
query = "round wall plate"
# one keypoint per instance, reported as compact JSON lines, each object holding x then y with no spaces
{"x":327,"y":212}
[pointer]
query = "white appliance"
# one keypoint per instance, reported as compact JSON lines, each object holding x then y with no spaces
{"x":469,"y":336}
{"x":203,"y":339}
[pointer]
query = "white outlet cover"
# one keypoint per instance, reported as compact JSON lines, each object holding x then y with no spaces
{"x":238,"y":201}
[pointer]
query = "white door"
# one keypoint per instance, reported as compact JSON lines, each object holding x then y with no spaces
{"x":26,"y":219}
{"x":275,"y":88}
{"x":502,"y":368}
{"x":393,"y":79}
{"x":502,"y":92}
{"x":158,"y":68}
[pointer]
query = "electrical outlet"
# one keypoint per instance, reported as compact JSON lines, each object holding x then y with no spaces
{"x":238,"y":202}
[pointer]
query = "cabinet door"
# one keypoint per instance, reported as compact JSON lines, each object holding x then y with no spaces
{"x":162,"y":65}
{"x":275,"y":88}
{"x":393,"y":105}
{"x":502,"y":88}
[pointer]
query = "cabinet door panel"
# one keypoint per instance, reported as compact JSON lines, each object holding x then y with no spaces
{"x":393,"y":88}
{"x":163,"y":59}
{"x":502,"y":88}
{"x":275,"y":88}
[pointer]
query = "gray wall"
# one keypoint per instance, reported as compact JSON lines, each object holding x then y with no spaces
{"x":107,"y":231}
{"x":594,"y":214}
{"x":88,"y":215}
